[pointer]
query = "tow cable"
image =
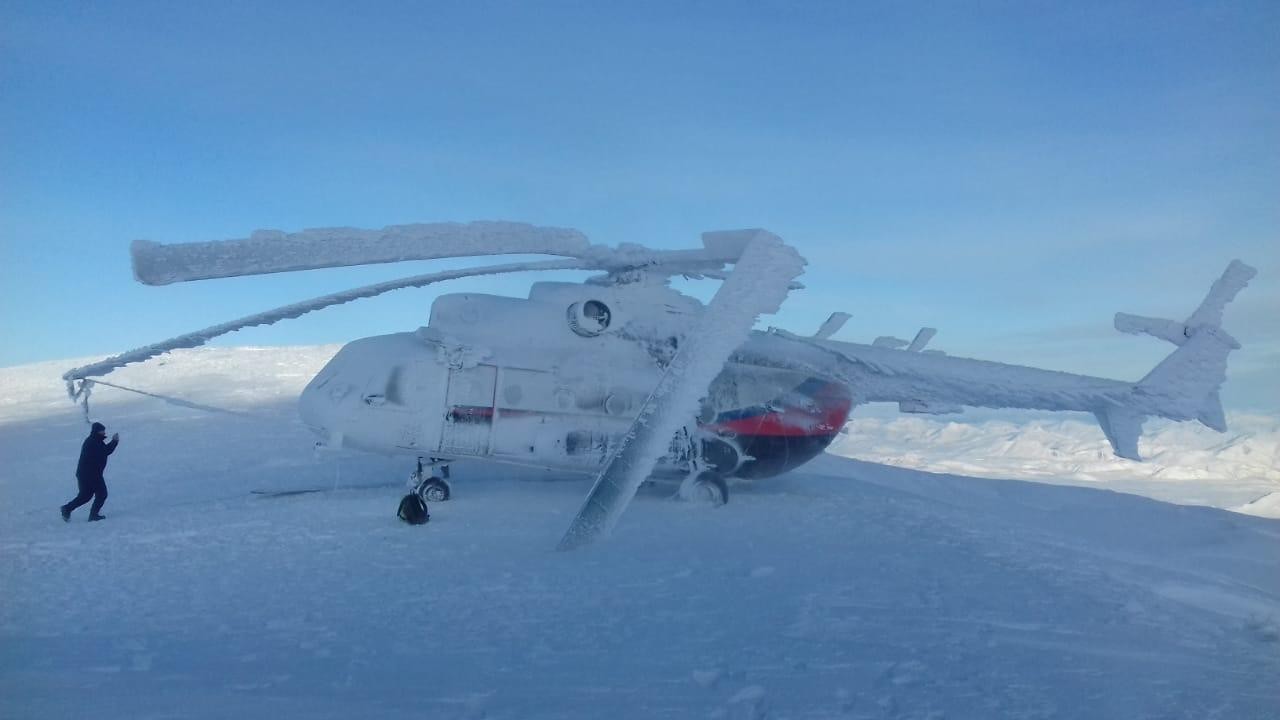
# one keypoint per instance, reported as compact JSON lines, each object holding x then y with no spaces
{"x":81,"y":395}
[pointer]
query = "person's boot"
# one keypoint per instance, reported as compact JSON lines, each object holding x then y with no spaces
{"x":95,"y":518}
{"x":66,"y":514}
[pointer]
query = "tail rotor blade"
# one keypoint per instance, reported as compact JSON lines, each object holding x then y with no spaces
{"x":1224,"y":289}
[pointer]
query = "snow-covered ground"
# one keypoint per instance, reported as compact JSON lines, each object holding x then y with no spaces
{"x":845,"y":589}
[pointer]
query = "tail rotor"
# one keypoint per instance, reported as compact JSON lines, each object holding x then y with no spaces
{"x":1184,"y":386}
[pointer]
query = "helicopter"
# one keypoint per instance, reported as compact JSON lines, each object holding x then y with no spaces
{"x":628,"y":379}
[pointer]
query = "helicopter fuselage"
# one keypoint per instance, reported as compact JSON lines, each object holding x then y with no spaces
{"x":555,"y":381}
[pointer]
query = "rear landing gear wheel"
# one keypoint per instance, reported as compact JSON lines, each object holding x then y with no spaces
{"x":707,"y":488}
{"x":434,"y":489}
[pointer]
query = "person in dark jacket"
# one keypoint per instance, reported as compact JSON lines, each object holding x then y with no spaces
{"x":93,"y":460}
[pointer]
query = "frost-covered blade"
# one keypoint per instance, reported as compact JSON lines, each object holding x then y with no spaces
{"x":171,"y":268}
{"x":1224,"y":290}
{"x":272,"y":251}
{"x":200,"y":337}
{"x":757,"y":285}
{"x":1209,"y":314}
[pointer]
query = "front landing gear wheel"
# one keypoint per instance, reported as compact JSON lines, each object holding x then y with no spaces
{"x":708,"y":488}
{"x":434,"y":489}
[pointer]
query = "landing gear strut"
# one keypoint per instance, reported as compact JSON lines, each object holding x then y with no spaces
{"x":424,"y":487}
{"x":429,"y":486}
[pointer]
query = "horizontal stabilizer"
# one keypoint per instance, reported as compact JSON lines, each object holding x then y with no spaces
{"x":1211,"y":414}
{"x":1122,"y":427}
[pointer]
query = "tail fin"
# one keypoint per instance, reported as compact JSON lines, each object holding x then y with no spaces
{"x":1184,"y":386}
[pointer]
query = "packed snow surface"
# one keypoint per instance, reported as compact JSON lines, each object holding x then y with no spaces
{"x":221,"y":586}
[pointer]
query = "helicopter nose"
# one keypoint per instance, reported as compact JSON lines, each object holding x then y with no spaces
{"x":320,"y":405}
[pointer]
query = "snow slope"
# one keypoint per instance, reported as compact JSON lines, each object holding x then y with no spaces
{"x":845,"y":589}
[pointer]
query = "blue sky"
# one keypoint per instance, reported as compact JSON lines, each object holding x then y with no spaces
{"x":1011,"y":174}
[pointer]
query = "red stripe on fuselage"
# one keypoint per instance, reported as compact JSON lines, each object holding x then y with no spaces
{"x":827,"y":413}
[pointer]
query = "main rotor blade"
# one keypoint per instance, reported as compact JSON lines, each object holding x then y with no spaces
{"x":272,"y":251}
{"x":757,"y":285}
{"x":200,"y":337}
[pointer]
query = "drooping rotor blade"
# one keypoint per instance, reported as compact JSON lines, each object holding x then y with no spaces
{"x":272,"y":251}
{"x":757,"y":285}
{"x":200,"y":337}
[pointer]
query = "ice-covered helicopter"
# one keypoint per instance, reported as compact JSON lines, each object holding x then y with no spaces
{"x":627,"y":378}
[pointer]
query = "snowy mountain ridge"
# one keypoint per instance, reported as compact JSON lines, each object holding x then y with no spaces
{"x":1185,"y":463}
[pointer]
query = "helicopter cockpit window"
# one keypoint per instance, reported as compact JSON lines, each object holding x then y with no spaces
{"x":589,"y":318}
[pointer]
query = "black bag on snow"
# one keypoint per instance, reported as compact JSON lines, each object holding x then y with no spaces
{"x":413,"y":510}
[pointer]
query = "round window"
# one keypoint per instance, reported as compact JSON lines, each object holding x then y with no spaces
{"x":589,"y":318}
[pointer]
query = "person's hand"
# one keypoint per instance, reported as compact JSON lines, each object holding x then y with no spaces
{"x":115,"y":437}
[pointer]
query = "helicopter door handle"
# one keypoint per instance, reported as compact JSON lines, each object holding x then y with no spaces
{"x":375,"y":399}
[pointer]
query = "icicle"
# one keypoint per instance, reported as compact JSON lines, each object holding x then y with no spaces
{"x":86,"y":388}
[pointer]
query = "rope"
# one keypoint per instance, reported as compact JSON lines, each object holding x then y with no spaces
{"x":86,"y":386}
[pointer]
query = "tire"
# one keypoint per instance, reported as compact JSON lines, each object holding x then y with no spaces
{"x":434,"y":490}
{"x":708,"y":488}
